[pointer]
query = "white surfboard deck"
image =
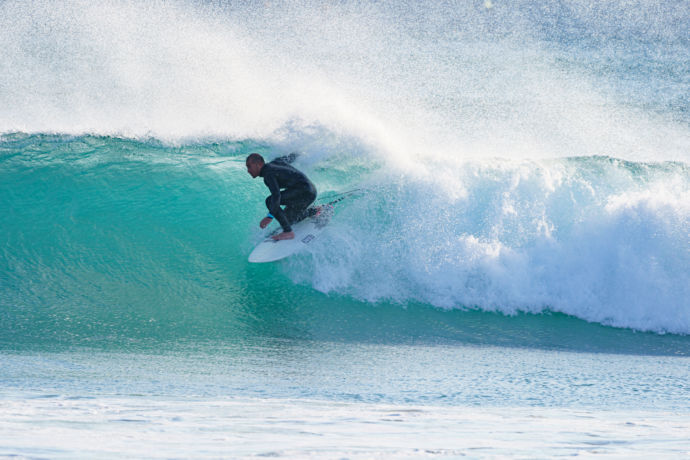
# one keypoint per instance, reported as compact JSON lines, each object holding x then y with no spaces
{"x":306,"y":231}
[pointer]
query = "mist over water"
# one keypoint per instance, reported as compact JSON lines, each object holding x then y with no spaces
{"x":402,"y":80}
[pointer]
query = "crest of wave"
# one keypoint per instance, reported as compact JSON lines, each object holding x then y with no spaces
{"x":396,"y":80}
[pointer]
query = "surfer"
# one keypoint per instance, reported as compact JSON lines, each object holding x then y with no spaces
{"x":289,"y":187}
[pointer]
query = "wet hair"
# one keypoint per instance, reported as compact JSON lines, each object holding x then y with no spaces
{"x":255,"y":158}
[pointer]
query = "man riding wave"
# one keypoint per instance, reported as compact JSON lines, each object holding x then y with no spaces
{"x":289,"y":187}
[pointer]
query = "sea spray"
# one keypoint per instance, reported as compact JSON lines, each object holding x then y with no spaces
{"x":407,"y":82}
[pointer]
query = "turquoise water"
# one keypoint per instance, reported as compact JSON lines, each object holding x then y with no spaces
{"x":111,"y":240}
{"x":510,"y":279}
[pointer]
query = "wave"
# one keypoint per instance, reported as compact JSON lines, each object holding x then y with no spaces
{"x":144,"y":233}
{"x":518,"y":159}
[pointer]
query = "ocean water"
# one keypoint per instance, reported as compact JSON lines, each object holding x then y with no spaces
{"x":510,"y":278}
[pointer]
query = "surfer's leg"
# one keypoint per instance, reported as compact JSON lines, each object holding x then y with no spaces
{"x":296,"y":202}
{"x":282,"y":219}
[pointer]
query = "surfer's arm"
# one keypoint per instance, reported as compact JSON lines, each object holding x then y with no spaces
{"x":265,"y":221}
{"x":273,"y":203}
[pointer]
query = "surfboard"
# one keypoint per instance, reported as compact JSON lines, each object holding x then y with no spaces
{"x":306,"y":231}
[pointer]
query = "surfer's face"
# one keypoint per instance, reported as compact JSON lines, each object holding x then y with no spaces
{"x":253,"y":168}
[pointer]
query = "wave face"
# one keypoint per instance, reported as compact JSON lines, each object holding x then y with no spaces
{"x":515,"y":158}
{"x":131,"y":226}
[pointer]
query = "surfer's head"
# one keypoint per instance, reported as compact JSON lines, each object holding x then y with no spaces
{"x":254,"y":164}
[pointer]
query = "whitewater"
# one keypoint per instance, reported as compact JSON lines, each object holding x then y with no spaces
{"x":515,"y":259}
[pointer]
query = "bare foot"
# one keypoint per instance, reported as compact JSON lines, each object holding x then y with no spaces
{"x":284,"y":236}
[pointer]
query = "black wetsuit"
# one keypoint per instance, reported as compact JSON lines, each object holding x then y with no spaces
{"x":290,"y":188}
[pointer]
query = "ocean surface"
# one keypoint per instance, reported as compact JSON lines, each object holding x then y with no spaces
{"x":509,"y":278}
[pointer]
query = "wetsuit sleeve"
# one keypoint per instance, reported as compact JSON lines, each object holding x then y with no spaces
{"x":274,"y":202}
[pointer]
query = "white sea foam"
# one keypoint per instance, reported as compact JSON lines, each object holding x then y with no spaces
{"x":592,"y":238}
{"x":303,"y":429}
{"x":301,"y":399}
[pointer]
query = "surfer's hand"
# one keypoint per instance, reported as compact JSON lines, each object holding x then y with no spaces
{"x":264,"y":222}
